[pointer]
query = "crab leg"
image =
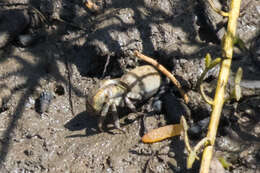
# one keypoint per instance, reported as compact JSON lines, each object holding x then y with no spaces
{"x":103,"y":115}
{"x":129,"y":103}
{"x":133,"y":95}
{"x":116,"y":118}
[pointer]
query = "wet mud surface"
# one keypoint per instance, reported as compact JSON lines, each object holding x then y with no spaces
{"x":53,"y":56}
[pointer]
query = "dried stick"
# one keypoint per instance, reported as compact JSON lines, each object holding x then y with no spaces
{"x":220,"y":12}
{"x":219,"y":99}
{"x":165,"y":72}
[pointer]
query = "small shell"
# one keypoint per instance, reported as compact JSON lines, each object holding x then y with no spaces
{"x":44,"y":102}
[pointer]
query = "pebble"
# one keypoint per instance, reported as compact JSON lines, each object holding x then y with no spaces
{"x":195,"y":131}
{"x":157,"y":106}
{"x":26,"y":40}
{"x":171,"y":154}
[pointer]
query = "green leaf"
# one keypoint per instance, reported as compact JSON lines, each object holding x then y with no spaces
{"x":207,"y":60}
{"x":239,"y":75}
{"x":237,"y":92}
{"x":224,"y":163}
{"x":191,"y":158}
{"x":215,"y":62}
{"x":239,"y":43}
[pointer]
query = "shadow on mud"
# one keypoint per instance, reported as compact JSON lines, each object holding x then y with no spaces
{"x":83,"y":121}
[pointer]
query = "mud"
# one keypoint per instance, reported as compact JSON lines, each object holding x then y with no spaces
{"x":68,"y":58}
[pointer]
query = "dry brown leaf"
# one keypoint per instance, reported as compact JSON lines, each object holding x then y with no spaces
{"x":162,"y":133}
{"x":91,"y":6}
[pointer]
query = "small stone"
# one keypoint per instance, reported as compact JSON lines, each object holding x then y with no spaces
{"x":157,"y":106}
{"x":195,"y":132}
{"x":171,"y":154}
{"x":26,"y":40}
{"x":204,"y":123}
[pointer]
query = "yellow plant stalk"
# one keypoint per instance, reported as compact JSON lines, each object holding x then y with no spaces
{"x":219,"y":99}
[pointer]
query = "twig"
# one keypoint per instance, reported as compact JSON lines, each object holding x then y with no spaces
{"x":164,"y":71}
{"x":219,"y":98}
{"x":185,"y":133}
{"x":105,"y":67}
{"x":192,"y":152}
{"x":220,"y":12}
{"x":205,"y":97}
{"x":209,"y":65}
{"x":69,"y":72}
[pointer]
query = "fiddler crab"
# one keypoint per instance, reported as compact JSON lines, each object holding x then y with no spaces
{"x":138,"y":84}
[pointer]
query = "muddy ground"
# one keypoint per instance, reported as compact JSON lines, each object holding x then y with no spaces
{"x":65,"y":54}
